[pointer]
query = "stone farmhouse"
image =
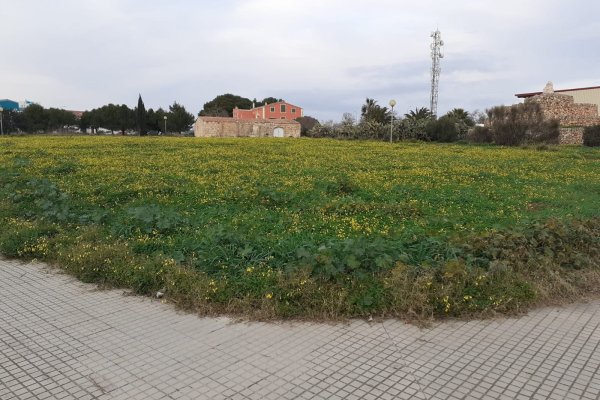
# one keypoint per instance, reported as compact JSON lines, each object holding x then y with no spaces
{"x":271,"y":120}
{"x":573,"y":108}
{"x":279,"y":110}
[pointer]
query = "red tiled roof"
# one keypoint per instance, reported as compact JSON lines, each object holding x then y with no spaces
{"x":525,"y":95}
{"x":270,"y":104}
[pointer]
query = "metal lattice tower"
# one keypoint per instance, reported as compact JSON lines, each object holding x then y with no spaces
{"x":436,"y":54}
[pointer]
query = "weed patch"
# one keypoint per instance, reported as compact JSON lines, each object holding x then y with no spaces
{"x":423,"y":231}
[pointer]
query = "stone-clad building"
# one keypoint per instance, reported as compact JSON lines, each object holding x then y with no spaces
{"x":586,"y":95}
{"x":234,"y":127}
{"x":573,"y":108}
{"x":271,"y":120}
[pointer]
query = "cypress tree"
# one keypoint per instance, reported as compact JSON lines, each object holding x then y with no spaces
{"x":141,"y":116}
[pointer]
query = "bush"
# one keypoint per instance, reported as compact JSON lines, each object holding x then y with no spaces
{"x":413,"y":129}
{"x":306,"y":124}
{"x":364,"y":130}
{"x":521,"y":124}
{"x":373,"y":130}
{"x":480,"y":134}
{"x":444,"y":129}
{"x":325,"y":130}
{"x":591,"y":136}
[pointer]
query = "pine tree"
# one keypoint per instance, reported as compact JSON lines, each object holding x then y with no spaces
{"x":179,"y":119}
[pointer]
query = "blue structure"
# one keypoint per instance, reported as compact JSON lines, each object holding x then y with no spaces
{"x":7,"y":104}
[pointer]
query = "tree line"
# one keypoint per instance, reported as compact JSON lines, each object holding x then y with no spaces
{"x":115,"y":118}
{"x":121,"y":118}
{"x":36,"y":118}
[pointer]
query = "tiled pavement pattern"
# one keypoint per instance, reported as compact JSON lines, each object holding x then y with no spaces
{"x":61,"y":339}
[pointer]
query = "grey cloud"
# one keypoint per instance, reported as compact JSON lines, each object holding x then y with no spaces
{"x":325,"y":56}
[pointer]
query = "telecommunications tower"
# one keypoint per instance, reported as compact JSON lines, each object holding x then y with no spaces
{"x":436,"y":54}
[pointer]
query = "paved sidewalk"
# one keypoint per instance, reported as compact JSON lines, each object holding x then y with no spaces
{"x":61,"y":339}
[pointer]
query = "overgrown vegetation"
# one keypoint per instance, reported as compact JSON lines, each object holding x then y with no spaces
{"x":517,"y":125}
{"x":591,"y":136}
{"x":520,"y":124}
{"x":376,"y":124}
{"x":267,"y":228}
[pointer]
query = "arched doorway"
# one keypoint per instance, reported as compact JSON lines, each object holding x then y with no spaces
{"x":278,"y":132}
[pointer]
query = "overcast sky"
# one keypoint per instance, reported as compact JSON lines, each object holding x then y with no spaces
{"x":324,"y":55}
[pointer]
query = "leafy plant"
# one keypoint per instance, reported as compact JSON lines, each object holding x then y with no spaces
{"x":444,"y":129}
{"x":40,"y":198}
{"x":591,"y":136}
{"x":151,"y":219}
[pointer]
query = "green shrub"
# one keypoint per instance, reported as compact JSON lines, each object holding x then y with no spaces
{"x":413,"y":129}
{"x":591,"y":136}
{"x":444,"y":129}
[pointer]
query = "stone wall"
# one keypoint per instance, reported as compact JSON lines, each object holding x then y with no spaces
{"x":572,"y":116}
{"x":564,"y":108}
{"x":230,"y":127}
{"x":571,"y":135}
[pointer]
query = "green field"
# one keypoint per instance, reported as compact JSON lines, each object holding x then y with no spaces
{"x":308,"y":228}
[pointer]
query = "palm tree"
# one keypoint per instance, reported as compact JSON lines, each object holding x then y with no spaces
{"x":418,"y":114}
{"x":371,"y":111}
{"x":367,"y":108}
{"x":460,"y":114}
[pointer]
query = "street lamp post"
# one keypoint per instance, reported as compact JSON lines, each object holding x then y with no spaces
{"x":165,"y":117}
{"x":392,"y":104}
{"x":1,"y":126}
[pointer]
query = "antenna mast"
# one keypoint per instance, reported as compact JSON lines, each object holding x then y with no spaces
{"x":436,"y":54}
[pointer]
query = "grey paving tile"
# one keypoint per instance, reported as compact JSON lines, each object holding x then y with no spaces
{"x":61,"y":339}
